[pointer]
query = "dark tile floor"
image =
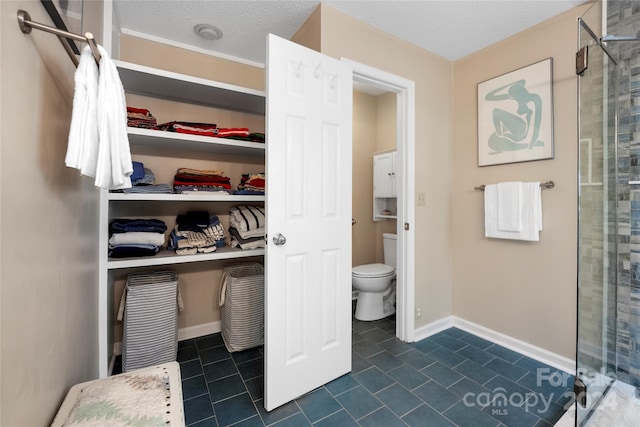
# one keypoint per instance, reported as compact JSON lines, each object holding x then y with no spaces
{"x":450,"y":379}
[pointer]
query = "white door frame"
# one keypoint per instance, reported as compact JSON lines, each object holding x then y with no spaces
{"x":405,"y":282}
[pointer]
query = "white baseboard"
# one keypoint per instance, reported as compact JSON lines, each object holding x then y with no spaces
{"x":199,"y":330}
{"x":537,"y":353}
{"x":545,"y":356}
{"x":185,"y":333}
{"x":432,"y":328}
{"x":559,"y":362}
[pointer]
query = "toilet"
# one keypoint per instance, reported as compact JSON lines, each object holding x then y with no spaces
{"x":376,"y":284}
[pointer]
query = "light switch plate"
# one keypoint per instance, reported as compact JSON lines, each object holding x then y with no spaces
{"x":421,"y":200}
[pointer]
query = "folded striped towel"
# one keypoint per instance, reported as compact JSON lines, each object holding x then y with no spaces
{"x":246,"y":218}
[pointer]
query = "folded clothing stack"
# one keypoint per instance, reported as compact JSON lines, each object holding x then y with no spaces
{"x":189,"y":180}
{"x":135,"y":237}
{"x":210,"y":129}
{"x":140,"y":118}
{"x":247,"y":227}
{"x":143,"y":181}
{"x":257,"y":137}
{"x":138,"y":173}
{"x":196,"y":232}
{"x":243,"y":135}
{"x":251,"y":184}
{"x":191,"y":128}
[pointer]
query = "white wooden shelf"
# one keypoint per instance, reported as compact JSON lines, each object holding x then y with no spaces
{"x":162,"y":84}
{"x":386,"y":217}
{"x":184,"y":197}
{"x":196,"y":143}
{"x":165,"y":257}
{"x":158,"y":83}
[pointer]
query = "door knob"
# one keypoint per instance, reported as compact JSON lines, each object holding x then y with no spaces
{"x":279,"y":240}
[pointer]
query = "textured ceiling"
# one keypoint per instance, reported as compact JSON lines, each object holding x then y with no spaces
{"x":451,"y":29}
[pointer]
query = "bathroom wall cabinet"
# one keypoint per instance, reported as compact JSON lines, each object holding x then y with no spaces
{"x":177,"y":150}
{"x":384,"y":186}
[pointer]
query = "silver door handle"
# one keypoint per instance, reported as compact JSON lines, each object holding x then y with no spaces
{"x":279,"y":240}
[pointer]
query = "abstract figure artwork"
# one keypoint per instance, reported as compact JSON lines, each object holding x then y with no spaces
{"x":515,"y":116}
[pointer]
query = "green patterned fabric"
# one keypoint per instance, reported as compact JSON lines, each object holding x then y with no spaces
{"x":131,"y":399}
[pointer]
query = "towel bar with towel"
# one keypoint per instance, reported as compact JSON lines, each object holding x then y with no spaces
{"x":548,"y":184}
{"x":98,"y":142}
{"x":513,"y":210}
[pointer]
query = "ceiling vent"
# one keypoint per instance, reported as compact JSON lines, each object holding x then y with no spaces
{"x":208,"y":32}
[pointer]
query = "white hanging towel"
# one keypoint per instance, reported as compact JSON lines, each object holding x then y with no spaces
{"x":530,"y":212}
{"x":82,"y":146}
{"x":509,"y":206}
{"x":114,"y":166}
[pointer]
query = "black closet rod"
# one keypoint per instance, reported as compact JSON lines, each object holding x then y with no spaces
{"x":26,"y":24}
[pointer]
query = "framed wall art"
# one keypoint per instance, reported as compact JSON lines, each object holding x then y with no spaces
{"x":515,"y":116}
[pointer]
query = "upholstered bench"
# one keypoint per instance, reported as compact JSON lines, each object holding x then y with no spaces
{"x":148,"y":396}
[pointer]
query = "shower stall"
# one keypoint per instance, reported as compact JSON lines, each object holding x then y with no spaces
{"x":607,"y":382}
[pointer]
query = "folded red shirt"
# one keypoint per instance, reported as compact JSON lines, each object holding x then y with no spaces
{"x":224,"y":132}
{"x":256,"y":182}
{"x":135,"y":110}
{"x":193,"y":128}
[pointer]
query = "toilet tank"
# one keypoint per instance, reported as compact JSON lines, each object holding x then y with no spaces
{"x":389,"y":247}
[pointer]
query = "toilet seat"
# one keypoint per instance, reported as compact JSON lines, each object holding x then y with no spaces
{"x":373,"y":270}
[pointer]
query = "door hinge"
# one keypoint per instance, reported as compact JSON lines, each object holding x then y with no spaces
{"x":582,"y":60}
{"x":580,"y":392}
{"x":406,"y":226}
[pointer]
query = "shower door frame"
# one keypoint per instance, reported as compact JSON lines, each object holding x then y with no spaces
{"x":600,"y":382}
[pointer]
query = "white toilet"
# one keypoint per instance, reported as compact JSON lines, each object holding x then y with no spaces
{"x":376,"y":284}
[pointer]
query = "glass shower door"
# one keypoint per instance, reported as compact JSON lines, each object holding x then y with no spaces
{"x":597,"y":225}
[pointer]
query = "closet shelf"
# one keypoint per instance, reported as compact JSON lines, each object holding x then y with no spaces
{"x":165,"y":257}
{"x":194,"y":143}
{"x":149,"y":81}
{"x":184,"y":197}
{"x":386,"y":217}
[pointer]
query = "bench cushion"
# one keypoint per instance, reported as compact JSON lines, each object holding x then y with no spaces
{"x":148,"y":396}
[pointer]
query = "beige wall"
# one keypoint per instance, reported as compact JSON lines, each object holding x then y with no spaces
{"x":48,"y":252}
{"x":344,"y":36}
{"x":526,"y":290}
{"x":309,"y":33}
{"x":158,"y":55}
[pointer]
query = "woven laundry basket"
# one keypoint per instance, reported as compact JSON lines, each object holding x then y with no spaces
{"x":150,"y":330}
{"x":242,"y":306}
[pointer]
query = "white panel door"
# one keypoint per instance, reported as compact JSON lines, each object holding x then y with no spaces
{"x":308,"y":172}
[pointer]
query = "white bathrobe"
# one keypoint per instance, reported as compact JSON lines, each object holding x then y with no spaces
{"x":98,"y":143}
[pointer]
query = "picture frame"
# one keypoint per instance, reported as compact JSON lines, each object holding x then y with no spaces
{"x":515,"y":116}
{"x":66,"y":15}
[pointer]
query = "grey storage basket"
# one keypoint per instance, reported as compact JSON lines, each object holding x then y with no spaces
{"x":150,"y":332}
{"x":242,"y":306}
